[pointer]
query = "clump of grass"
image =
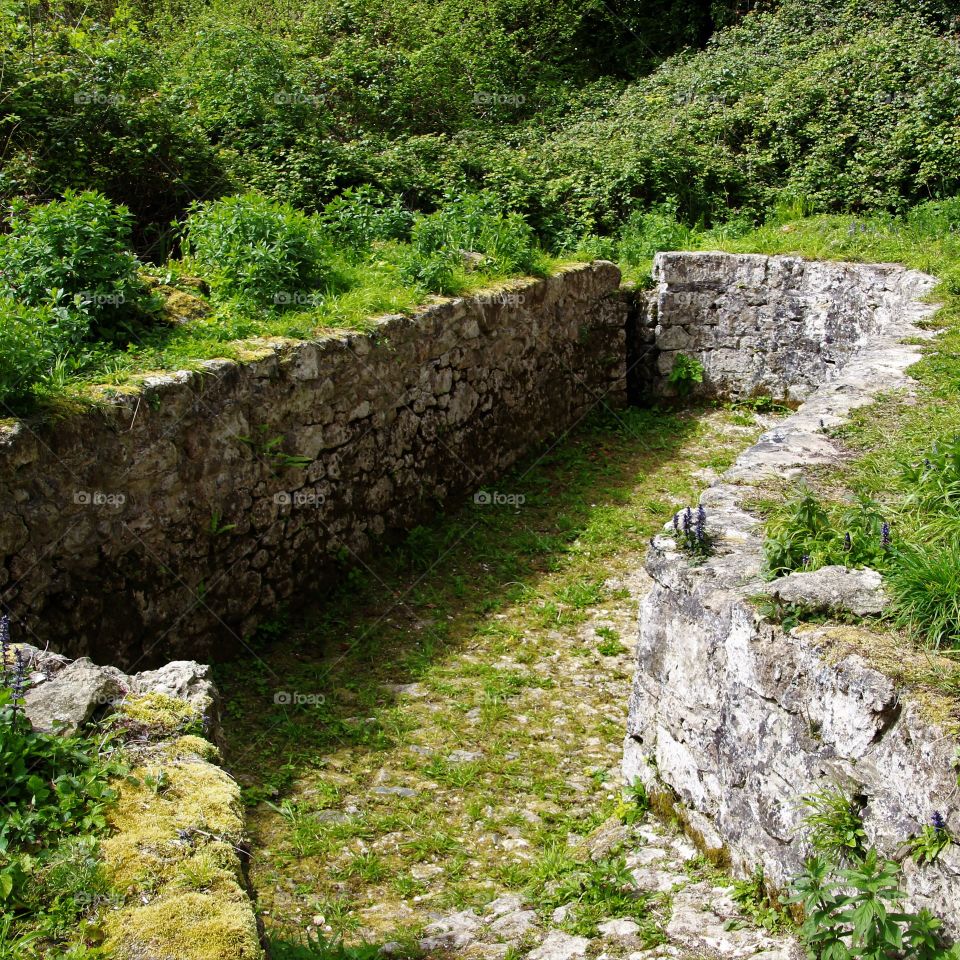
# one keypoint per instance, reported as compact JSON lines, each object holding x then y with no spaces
{"x":925,"y":584}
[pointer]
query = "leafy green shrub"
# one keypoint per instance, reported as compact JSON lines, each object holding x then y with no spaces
{"x":472,"y":224}
{"x":361,"y":216}
{"x":56,"y":792}
{"x":851,"y":898}
{"x":648,"y":232}
{"x":32,"y":340}
{"x":258,"y":250}
{"x":54,"y":787}
{"x":87,"y":105}
{"x":74,"y":253}
{"x":858,"y":912}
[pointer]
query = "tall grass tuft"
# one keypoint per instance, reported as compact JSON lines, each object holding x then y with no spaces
{"x":925,"y":584}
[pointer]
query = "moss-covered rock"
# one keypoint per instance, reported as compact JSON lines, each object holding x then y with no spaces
{"x":174,"y":854}
{"x":186,"y":926}
{"x":157,"y":715}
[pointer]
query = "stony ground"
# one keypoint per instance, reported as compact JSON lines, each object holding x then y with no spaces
{"x":433,"y":764}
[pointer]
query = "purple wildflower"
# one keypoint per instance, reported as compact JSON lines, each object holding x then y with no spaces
{"x":687,"y":522}
{"x":937,"y":821}
{"x":885,"y":535}
{"x":19,"y":683}
{"x":701,"y":526}
{"x":805,"y":560}
{"x":847,"y":542}
{"x":676,"y":524}
{"x":4,"y":642}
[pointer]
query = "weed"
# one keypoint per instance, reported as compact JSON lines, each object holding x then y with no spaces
{"x":834,"y":825}
{"x":685,"y":374}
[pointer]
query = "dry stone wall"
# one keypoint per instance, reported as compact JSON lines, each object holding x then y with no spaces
{"x":773,"y":326}
{"x":166,"y":524}
{"x":736,"y":717}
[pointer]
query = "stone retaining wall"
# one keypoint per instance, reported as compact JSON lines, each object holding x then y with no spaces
{"x":774,"y":326}
{"x":731,"y":714}
{"x":168,"y":523}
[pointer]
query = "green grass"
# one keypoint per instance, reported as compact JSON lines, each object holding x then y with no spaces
{"x":233,"y":332}
{"x":457,"y":611}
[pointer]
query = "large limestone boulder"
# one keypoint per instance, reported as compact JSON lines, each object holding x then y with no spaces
{"x":833,"y":589}
{"x":73,"y":696}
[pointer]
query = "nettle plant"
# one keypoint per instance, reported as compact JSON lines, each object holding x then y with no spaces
{"x":851,"y":897}
{"x":685,"y":374}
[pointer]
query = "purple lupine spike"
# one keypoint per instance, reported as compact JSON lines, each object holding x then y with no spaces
{"x":885,"y":535}
{"x":676,"y":524}
{"x":687,"y":521}
{"x":701,"y":525}
{"x":937,"y":821}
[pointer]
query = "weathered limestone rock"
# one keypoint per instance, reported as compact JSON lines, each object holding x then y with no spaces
{"x":560,"y":946}
{"x":72,"y":697}
{"x":738,"y":718}
{"x":832,"y":589}
{"x":451,"y":932}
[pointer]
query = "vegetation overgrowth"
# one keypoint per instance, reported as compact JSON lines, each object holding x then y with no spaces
{"x":179,"y":180}
{"x":56,"y":790}
{"x":277,"y":171}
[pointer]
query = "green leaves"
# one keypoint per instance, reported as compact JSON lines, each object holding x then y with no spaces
{"x":857,"y":914}
{"x":257,"y":250}
{"x":851,"y":897}
{"x":685,"y":374}
{"x":66,"y":271}
{"x":834,"y":825}
{"x":472,"y":225}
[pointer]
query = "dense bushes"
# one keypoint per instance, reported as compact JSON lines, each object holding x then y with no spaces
{"x":91,"y":109}
{"x":66,"y":273}
{"x":472,"y":224}
{"x":257,"y":250}
{"x":32,"y":341}
{"x":73,"y":253}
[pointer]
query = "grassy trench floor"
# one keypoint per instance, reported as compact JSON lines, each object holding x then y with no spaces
{"x":436,"y":732}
